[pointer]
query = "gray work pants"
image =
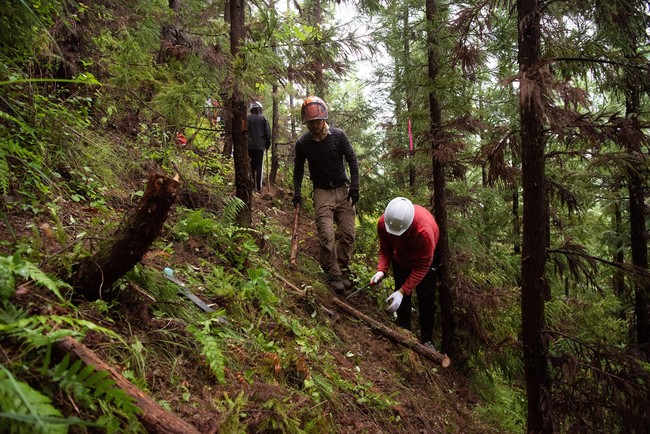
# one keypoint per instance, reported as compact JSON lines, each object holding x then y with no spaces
{"x":332,"y":209}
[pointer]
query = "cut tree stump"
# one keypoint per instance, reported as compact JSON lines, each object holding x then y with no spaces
{"x":154,"y":418}
{"x":94,"y":276}
{"x":442,"y":359}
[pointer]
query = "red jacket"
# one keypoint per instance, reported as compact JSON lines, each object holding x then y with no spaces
{"x":413,"y":249}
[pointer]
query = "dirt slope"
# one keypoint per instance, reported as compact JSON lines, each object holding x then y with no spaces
{"x":424,"y":397}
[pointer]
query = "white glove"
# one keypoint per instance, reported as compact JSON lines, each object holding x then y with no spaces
{"x":395,"y":299}
{"x":377,"y":277}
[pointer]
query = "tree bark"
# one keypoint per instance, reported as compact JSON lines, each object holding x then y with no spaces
{"x":275,"y":158}
{"x":154,"y":418}
{"x":535,"y":219}
{"x":619,"y":256}
{"x":414,"y":345}
{"x":243,"y":179}
{"x":319,"y":82}
{"x":439,"y":190}
{"x":94,"y":276}
{"x":636,"y":184}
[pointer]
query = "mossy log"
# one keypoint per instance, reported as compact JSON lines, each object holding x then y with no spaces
{"x":94,"y":276}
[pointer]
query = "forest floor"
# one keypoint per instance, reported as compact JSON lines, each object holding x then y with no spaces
{"x":429,"y":398}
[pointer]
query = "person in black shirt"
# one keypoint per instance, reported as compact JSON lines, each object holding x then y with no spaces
{"x":325,"y":148}
{"x":259,"y":140}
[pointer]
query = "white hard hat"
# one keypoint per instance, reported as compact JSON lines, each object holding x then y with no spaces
{"x":256,"y":105}
{"x":398,"y":215}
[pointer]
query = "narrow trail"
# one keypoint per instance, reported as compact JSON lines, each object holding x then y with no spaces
{"x":428,"y":398}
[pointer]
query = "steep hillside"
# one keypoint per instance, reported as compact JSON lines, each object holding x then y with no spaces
{"x":279,"y":362}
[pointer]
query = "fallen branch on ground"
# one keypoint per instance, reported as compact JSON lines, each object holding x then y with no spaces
{"x":154,"y":418}
{"x":442,"y":359}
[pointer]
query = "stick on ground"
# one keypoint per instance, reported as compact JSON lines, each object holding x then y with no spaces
{"x":294,"y":236}
{"x":442,"y":359}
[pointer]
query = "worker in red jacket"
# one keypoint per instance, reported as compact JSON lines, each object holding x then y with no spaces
{"x":408,"y":235}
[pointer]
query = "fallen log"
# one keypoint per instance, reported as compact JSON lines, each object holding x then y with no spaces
{"x":442,"y":359}
{"x":154,"y":418}
{"x":95,"y":275}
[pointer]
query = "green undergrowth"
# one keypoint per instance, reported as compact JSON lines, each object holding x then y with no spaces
{"x":258,"y":334}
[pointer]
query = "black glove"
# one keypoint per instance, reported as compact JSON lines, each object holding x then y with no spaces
{"x":353,"y":196}
{"x":297,"y":200}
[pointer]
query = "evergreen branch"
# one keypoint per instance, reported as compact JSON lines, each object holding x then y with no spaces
{"x":632,"y":269}
{"x":599,"y":61}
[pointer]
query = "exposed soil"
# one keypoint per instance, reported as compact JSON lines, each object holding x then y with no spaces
{"x":429,"y":399}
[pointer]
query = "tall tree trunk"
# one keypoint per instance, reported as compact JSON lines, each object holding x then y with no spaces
{"x":439,"y":190}
{"x":619,"y":255}
{"x":317,"y":21}
{"x":516,"y":222}
{"x":227,"y":114}
{"x":275,"y":158}
{"x":409,"y":99}
{"x":533,"y":285}
{"x":639,"y":259}
{"x":243,"y":180}
{"x":636,"y":183}
{"x":226,"y":11}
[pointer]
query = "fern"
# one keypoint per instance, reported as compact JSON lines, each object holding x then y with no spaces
{"x":25,"y":410}
{"x":232,"y":209}
{"x":198,"y":225}
{"x":15,"y":265}
{"x":210,"y":348}
{"x":89,"y":385}
{"x":258,"y":288}
{"x":39,"y":331}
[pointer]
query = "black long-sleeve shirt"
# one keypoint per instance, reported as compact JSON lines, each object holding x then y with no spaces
{"x":259,"y":132}
{"x":325,"y":159}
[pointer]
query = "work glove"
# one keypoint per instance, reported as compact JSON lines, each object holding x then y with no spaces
{"x":297,"y":200}
{"x":353,"y":196}
{"x":393,"y":301}
{"x":377,"y":277}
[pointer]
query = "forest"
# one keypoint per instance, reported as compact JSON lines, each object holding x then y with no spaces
{"x":521,"y":125}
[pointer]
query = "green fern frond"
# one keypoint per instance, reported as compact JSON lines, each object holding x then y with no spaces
{"x":40,"y":330}
{"x":39,"y":277}
{"x":10,"y":265}
{"x":232,"y":209}
{"x":89,"y":385}
{"x":210,"y":349}
{"x":197,"y":224}
{"x":26,"y":410}
{"x":258,"y":288}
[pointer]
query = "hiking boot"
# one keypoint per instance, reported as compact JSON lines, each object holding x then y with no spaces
{"x":336,"y":283}
{"x":346,"y":278}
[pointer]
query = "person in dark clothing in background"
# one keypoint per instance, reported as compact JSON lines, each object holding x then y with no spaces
{"x":259,"y":140}
{"x":325,"y":148}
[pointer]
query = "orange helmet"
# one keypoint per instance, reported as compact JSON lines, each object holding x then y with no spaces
{"x":313,"y":108}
